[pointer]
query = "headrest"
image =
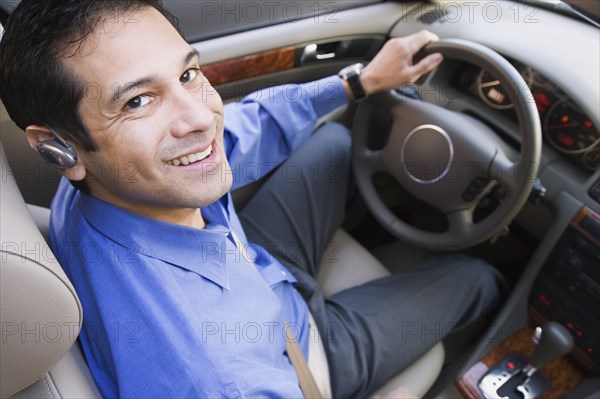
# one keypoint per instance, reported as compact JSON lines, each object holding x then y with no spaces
{"x":40,"y":314}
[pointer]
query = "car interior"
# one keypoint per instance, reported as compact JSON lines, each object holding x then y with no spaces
{"x":519,"y":87}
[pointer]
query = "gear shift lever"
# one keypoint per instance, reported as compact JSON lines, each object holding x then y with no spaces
{"x":516,"y":377}
{"x":555,"y":342}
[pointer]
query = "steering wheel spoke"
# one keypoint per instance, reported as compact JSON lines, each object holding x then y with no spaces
{"x":370,"y":161}
{"x":505,"y":172}
{"x":460,"y":223}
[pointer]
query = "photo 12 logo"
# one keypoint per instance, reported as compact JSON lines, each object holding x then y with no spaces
{"x":473,"y":11}
{"x":250,"y":12}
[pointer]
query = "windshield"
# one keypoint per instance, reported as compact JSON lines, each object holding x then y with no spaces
{"x":584,"y":10}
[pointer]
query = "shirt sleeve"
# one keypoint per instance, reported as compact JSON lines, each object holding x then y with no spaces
{"x":266,"y":126}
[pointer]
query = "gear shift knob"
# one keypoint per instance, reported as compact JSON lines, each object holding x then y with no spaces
{"x":555,"y":342}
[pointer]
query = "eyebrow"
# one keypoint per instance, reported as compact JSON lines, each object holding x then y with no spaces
{"x":121,"y":92}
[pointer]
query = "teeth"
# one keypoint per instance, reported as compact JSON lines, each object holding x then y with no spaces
{"x":204,"y":154}
{"x":191,"y":158}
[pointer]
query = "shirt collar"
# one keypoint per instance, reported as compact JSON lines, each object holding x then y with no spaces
{"x":196,"y":250}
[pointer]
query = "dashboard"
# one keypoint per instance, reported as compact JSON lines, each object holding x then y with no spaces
{"x":562,"y":54}
{"x":565,"y":126}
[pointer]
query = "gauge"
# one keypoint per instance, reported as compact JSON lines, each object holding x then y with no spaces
{"x":592,"y":159}
{"x":544,"y":98}
{"x":568,"y":129}
{"x":493,"y":93}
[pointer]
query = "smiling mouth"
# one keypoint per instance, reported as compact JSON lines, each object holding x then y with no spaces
{"x":191,"y":158}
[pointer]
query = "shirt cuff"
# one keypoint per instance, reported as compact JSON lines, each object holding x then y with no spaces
{"x":327,"y":94}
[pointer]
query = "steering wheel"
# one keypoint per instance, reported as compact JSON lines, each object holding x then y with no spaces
{"x":449,"y":159}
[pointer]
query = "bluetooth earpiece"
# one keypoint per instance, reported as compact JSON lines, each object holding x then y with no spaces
{"x":58,"y":151}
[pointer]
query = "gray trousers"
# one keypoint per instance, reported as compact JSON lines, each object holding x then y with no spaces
{"x":373,"y":331}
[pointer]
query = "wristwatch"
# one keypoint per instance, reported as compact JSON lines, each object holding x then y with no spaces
{"x":351,"y":74}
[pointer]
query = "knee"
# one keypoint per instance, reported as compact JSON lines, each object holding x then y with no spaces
{"x":336,"y":138}
{"x":483,"y":278}
{"x":478,"y":273}
{"x":334,"y":129}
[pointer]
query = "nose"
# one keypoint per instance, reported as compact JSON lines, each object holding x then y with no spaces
{"x":189,"y":112}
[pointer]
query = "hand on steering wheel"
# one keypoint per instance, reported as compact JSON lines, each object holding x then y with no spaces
{"x":393,"y":65}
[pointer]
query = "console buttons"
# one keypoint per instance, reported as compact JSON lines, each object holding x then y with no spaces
{"x":595,"y":191}
{"x":591,"y":226}
{"x":545,"y":300}
{"x":587,"y":247}
{"x":574,"y":262}
{"x":567,"y":289}
{"x":475,"y":188}
{"x":592,"y":350}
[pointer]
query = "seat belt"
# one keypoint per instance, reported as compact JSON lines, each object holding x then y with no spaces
{"x":307,"y":382}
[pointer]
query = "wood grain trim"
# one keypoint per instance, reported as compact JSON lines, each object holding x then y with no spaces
{"x":563,"y":375}
{"x":576,"y":223}
{"x":468,"y":384}
{"x":250,"y":66}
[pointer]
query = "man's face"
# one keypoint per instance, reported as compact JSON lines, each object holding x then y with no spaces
{"x":149,"y":108}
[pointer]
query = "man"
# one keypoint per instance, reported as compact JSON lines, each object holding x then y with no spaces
{"x":183,"y":298}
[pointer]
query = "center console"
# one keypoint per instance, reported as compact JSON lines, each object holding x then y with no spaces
{"x":565,"y":301}
{"x":568,"y":287}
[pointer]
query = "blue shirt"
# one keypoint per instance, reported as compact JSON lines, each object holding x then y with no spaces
{"x":174,"y":311}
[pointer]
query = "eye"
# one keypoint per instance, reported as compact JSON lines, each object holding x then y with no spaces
{"x":138,"y":102}
{"x":189,"y":75}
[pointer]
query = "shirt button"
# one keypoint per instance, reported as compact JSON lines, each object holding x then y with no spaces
{"x":283,"y":273}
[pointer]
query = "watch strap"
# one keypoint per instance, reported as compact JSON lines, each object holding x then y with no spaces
{"x":356,"y":86}
{"x":351,"y":74}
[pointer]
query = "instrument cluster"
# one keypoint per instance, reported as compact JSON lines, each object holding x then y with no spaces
{"x":564,"y":125}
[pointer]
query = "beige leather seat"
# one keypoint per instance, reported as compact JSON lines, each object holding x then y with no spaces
{"x":40,"y":311}
{"x":41,"y":314}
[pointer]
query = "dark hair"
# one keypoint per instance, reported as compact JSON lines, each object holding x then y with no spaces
{"x":35,"y":87}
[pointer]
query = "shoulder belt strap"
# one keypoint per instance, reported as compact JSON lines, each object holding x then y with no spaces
{"x":305,"y":378}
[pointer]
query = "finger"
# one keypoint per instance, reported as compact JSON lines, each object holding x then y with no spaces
{"x":420,"y":39}
{"x":427,"y":64}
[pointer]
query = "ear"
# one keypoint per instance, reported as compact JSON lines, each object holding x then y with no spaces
{"x":36,"y":134}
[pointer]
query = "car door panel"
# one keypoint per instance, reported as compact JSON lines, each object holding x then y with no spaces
{"x":237,"y":77}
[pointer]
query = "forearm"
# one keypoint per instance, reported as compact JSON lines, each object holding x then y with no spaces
{"x":269,"y":124}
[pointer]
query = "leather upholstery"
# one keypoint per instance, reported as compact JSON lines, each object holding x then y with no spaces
{"x":350,"y":264}
{"x":70,"y":378}
{"x":346,"y":264}
{"x":40,"y":312}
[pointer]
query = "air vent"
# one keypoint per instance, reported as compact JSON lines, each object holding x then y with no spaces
{"x":432,"y":16}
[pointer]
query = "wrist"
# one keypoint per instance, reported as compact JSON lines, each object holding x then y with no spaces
{"x":347,"y":89}
{"x":368,"y":81}
{"x":351,"y":77}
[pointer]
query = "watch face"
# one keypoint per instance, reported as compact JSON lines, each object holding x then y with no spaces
{"x":353,"y":69}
